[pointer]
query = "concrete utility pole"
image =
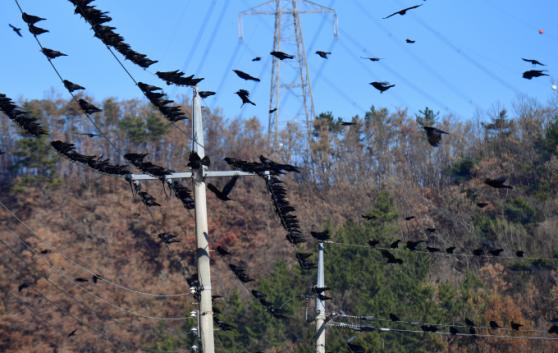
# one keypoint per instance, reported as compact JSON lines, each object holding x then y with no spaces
{"x":320,"y":304}
{"x":205,"y":313}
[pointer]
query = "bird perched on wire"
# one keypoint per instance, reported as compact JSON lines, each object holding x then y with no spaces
{"x":348,"y":123}
{"x":390,"y":258}
{"x":195,"y":162}
{"x":70,"y":86}
{"x":17,"y":30}
{"x":434,"y":135}
{"x":51,"y":53}
{"x":244,"y":96}
{"x":494,"y":325}
{"x":533,"y":62}
{"x":412,"y":245}
{"x":323,"y":54}
{"x":395,"y":244}
{"x":167,"y":238}
{"x":371,"y":58}
{"x":246,"y":76}
{"x":497,"y":183}
{"x":31,"y":19}
{"x":37,"y":30}
{"x":402,"y":12}
{"x":224,"y":194}
{"x":272,"y":110}
{"x":205,"y":94}
{"x":87,"y":107}
{"x":320,"y":235}
{"x":394,"y":317}
{"x":515,"y":326}
{"x":281,"y":55}
{"x":533,"y":73}
{"x":382,"y":86}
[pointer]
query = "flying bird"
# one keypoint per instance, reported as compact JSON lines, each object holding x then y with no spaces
{"x":222,"y":251}
{"x":257,"y":58}
{"x":31,"y":19}
{"x":223,"y":195}
{"x":281,"y":56}
{"x":434,"y":135}
{"x":497,"y":183}
{"x":533,"y":62}
{"x":410,"y":41}
{"x":382,"y":86}
{"x":323,"y":54}
{"x":533,"y":73}
{"x":478,"y":252}
{"x":273,"y":110}
{"x":205,"y":94}
{"x":70,"y":86}
{"x":553,"y":329}
{"x":408,"y":218}
{"x":469,"y":322}
{"x":17,"y":30}
{"x":403,"y":11}
{"x":244,"y":96}
{"x":245,"y":76}
{"x":195,"y":162}
{"x":453,"y":330}
{"x":519,"y":253}
{"x":73,"y":333}
{"x":81,"y":280}
{"x":432,"y":249}
{"x":482,"y":204}
{"x":429,"y":328}
{"x":371,"y":58}
{"x":51,"y":53}
{"x":348,"y":123}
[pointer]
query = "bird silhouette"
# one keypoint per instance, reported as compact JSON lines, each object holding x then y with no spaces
{"x":497,"y":183}
{"x":319,"y":290}
{"x":429,"y":328}
{"x":320,"y":235}
{"x":37,"y":30}
{"x":371,"y":58}
{"x":195,"y":162}
{"x":382,"y":86}
{"x":281,"y":55}
{"x":533,"y":62}
{"x":495,"y":252}
{"x":410,"y":41}
{"x":167,"y":238}
{"x":469,"y":322}
{"x":390,"y":258}
{"x":257,"y":58}
{"x":244,"y":96}
{"x":273,"y":110}
{"x":278,"y":167}
{"x":482,"y":204}
{"x":453,"y":330}
{"x":222,"y":251}
{"x":31,"y":19}
{"x":73,"y":333}
{"x":434,"y":135}
{"x":478,"y":252}
{"x":70,"y":86}
{"x":395,"y":244}
{"x":323,"y":54}
{"x":245,"y":76}
{"x":373,"y":243}
{"x":257,"y":294}
{"x":450,"y":250}
{"x":23,"y":286}
{"x":533,"y":73}
{"x":52,"y":54}
{"x":430,"y":230}
{"x":348,"y":123}
{"x":369,"y":217}
{"x":17,"y":30}
{"x":494,"y":325}
{"x":520,"y":253}
{"x":403,"y":11}
{"x":515,"y":326}
{"x":431,"y":249}
{"x":408,"y":218}
{"x":412,"y":245}
{"x":356,"y":348}
{"x":95,"y":278}
{"x":205,"y":94}
{"x":87,"y":107}
{"x":223,"y":195}
{"x":553,"y":329}
{"x":394,"y":317}
{"x":472,"y":331}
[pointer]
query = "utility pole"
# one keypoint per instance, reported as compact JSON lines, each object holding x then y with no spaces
{"x":205,"y":312}
{"x":320,"y":304}
{"x":288,"y":37}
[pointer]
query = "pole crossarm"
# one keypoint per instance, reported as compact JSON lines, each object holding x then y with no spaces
{"x":187,"y":175}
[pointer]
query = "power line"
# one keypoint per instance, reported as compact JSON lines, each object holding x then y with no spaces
{"x":210,"y":43}
{"x":200,"y":33}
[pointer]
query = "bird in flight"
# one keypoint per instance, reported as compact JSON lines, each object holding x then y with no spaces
{"x":257,"y":58}
{"x":323,"y":54}
{"x":434,"y":135}
{"x":410,"y":41}
{"x":223,"y":195}
{"x":533,"y":62}
{"x":17,"y":30}
{"x":403,"y":11}
{"x":533,"y":73}
{"x":371,"y":58}
{"x":497,"y":183}
{"x":243,"y":75}
{"x":373,"y":243}
{"x":70,"y":86}
{"x":51,"y":53}
{"x":205,"y":94}
{"x":273,"y":110}
{"x":382,"y":86}
{"x":281,"y":56}
{"x":395,"y":244}
{"x":244,"y":96}
{"x":495,"y":252}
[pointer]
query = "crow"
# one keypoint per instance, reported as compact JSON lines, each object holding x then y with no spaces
{"x":533,"y":73}
{"x":410,"y":41}
{"x":73,"y":333}
{"x":482,"y":204}
{"x":472,"y":331}
{"x":494,"y":325}
{"x":95,"y":278}
{"x":319,"y":290}
{"x":497,"y":183}
{"x":31,"y":19}
{"x":515,"y":326}
{"x":148,"y":200}
{"x":222,"y":251}
{"x":453,"y":330}
{"x":243,"y":75}
{"x":167,"y":238}
{"x":205,"y":94}
{"x":478,"y":252}
{"x":273,"y":110}
{"x":412,"y":245}
{"x":373,"y":243}
{"x":395,"y":244}
{"x":408,"y":218}
{"x":223,"y":195}
{"x":356,"y":348}
{"x":429,"y":328}
{"x":257,"y":58}
{"x":87,"y":107}
{"x":281,"y":56}
{"x":403,"y":11}
{"x":324,"y":297}
{"x":450,"y":250}
{"x":257,"y":294}
{"x":323,"y":54}
{"x":382,"y":86}
{"x":434,"y":135}
{"x":394,"y":317}
{"x":23,"y":286}
{"x":348,"y":123}
{"x":70,"y":86}
{"x":37,"y":30}
{"x":244,"y":96}
{"x":495,"y":252}
{"x":369,"y":217}
{"x":533,"y":62}
{"x":51,"y":53}
{"x":81,"y":279}
{"x":320,"y":235}
{"x":469,"y":322}
{"x":17,"y":30}
{"x":520,"y":253}
{"x":195,"y":162}
{"x":430,"y":230}
{"x":371,"y":58}
{"x":278,"y":167}
{"x":432,"y":249}
{"x":553,"y":329}
{"x":390,"y":258}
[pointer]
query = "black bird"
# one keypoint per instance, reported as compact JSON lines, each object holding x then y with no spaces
{"x":51,"y":53}
{"x":205,"y":94}
{"x":494,"y":325}
{"x":429,"y":328}
{"x":244,"y":96}
{"x":394,"y":317}
{"x":257,"y":58}
{"x":70,"y":86}
{"x":382,"y":86}
{"x":323,"y":54}
{"x":31,"y":19}
{"x":273,"y":110}
{"x":37,"y":30}
{"x":472,"y":330}
{"x":369,"y":217}
{"x":553,"y":320}
{"x":87,"y":107}
{"x":410,"y":41}
{"x":412,"y":245}
{"x":281,"y":56}
{"x":478,"y":252}
{"x":278,"y":167}
{"x":434,"y":135}
{"x":450,"y":250}
{"x":245,"y":76}
{"x":319,"y":290}
{"x":519,"y":253}
{"x":257,"y":294}
{"x":321,"y":235}
{"x":373,"y":243}
{"x":432,"y":249}
{"x":168,"y":238}
{"x":533,"y":62}
{"x":73,"y":333}
{"x":88,"y":134}
{"x":195,"y":162}
{"x":390,"y":258}
{"x":81,"y":280}
{"x":371,"y":58}
{"x":95,"y":278}
{"x":498,"y":183}
{"x":356,"y":348}
{"x":553,"y":329}
{"x":395,"y":244}
{"x":533,"y":73}
{"x":403,"y":11}
{"x":482,"y":204}
{"x":408,"y":218}
{"x":453,"y":330}
{"x":324,"y":297}
{"x":347,"y":123}
{"x":495,"y":252}
{"x":223,"y":195}
{"x":469,"y":322}
{"x":430,"y":230}
{"x":515,"y":326}
{"x":222,"y":251}
{"x":17,"y":30}
{"x":23,"y":286}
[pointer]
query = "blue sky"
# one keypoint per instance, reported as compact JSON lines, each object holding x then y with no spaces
{"x":466,"y":59}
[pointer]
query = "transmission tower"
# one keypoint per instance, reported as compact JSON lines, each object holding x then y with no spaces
{"x":288,"y":38}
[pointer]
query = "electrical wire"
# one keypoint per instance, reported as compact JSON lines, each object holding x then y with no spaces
{"x":211,"y":41}
{"x":201,"y":31}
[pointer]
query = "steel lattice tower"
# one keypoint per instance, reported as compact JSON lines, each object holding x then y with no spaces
{"x":288,"y":38}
